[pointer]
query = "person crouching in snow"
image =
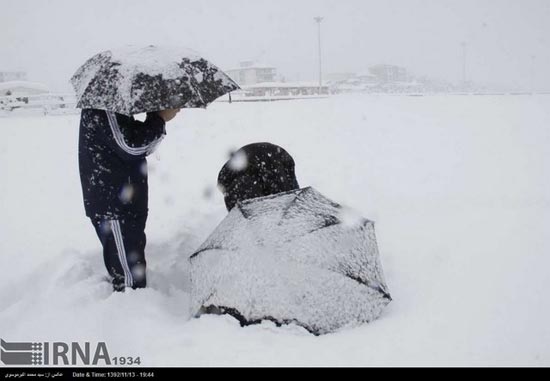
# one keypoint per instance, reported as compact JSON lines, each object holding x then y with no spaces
{"x":256,"y":170}
{"x":112,"y":154}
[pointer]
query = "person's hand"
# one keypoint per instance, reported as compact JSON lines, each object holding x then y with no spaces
{"x":168,"y":114}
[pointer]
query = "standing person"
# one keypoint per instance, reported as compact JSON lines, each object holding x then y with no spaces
{"x":112,"y":154}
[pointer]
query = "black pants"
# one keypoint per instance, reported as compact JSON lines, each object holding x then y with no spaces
{"x":123,"y":243}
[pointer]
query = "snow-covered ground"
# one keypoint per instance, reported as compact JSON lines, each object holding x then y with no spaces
{"x":458,"y":187}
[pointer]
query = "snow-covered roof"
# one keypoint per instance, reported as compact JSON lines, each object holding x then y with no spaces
{"x":12,"y":71}
{"x":365,"y":73}
{"x":5,"y":86}
{"x":255,"y":65}
{"x":263,"y":85}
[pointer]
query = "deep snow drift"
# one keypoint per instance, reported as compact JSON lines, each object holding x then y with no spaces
{"x":457,"y":186}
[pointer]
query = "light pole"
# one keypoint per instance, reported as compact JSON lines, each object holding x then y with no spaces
{"x":463,"y":44}
{"x":533,"y":58}
{"x":318,"y":20}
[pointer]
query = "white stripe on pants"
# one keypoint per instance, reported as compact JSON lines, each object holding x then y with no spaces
{"x":117,"y":233}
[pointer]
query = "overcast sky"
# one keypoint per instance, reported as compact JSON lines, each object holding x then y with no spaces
{"x":50,"y":39}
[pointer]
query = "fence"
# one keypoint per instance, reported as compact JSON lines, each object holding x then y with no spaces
{"x":65,"y":103}
{"x":42,"y":103}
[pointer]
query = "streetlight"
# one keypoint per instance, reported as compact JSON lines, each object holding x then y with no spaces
{"x":463,"y":44}
{"x":318,"y":20}
{"x":533,"y":58}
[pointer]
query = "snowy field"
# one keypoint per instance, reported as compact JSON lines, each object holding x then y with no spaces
{"x":458,"y":187}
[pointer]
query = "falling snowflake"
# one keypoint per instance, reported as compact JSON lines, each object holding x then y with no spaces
{"x":350,"y":218}
{"x":126,"y":193}
{"x":239,"y":161}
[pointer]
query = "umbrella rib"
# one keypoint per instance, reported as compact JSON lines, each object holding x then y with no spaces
{"x":208,"y":249}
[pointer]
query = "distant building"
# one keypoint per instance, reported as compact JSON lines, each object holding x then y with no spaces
{"x":389,"y":73}
{"x":285,"y":89}
{"x":337,"y":77}
{"x":251,"y":73}
{"x":366,"y":77}
{"x":22,"y":88}
{"x":6,"y":76}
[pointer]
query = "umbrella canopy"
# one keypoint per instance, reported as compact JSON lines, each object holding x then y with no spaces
{"x":134,"y":80}
{"x":291,"y":257}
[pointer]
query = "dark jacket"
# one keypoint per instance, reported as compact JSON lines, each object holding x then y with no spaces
{"x":113,"y":169}
{"x":256,"y":170}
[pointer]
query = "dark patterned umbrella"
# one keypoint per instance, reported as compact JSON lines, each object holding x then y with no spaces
{"x":134,"y":80}
{"x":291,"y":257}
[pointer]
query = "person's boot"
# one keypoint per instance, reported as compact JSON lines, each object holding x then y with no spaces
{"x":118,"y":284}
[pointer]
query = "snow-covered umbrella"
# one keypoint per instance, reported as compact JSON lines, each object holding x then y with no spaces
{"x":291,"y":257}
{"x":133,"y":80}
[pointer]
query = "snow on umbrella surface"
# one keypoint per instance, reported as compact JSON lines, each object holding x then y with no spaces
{"x":291,"y":257}
{"x":133,"y":80}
